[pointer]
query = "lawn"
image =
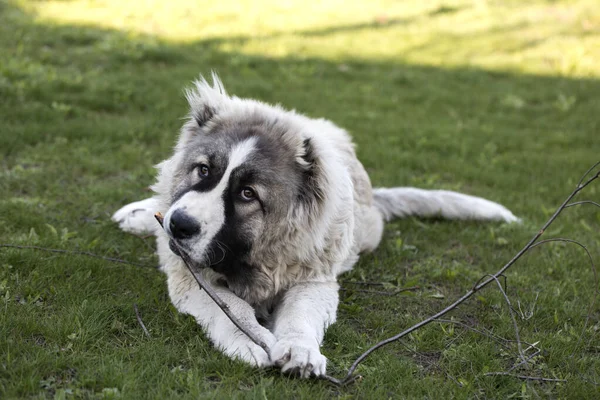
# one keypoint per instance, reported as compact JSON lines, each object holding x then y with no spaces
{"x":494,"y":98}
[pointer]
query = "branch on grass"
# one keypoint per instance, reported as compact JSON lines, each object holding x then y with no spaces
{"x":528,"y":378}
{"x":595,"y":272}
{"x":536,"y":353}
{"x":480,"y":285}
{"x":83,"y":253}
{"x":381,"y":292}
{"x":577,"y":203}
{"x":139,"y":319}
{"x":512,"y":317}
{"x":366,"y":283}
{"x":500,"y":340}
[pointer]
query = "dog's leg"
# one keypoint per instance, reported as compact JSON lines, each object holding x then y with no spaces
{"x":404,"y":202}
{"x":368,"y":228}
{"x":300,"y":320}
{"x":138,"y":217}
{"x":188,"y":298}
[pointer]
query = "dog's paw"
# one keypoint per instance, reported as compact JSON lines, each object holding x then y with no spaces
{"x":138,"y":218}
{"x":299,"y":355}
{"x":255,"y":356}
{"x":246,"y":350}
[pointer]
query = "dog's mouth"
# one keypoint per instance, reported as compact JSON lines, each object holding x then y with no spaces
{"x":175,"y":248}
{"x":214,"y":259}
{"x":179,"y":250}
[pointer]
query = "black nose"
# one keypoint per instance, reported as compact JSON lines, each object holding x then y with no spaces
{"x":182,"y":226}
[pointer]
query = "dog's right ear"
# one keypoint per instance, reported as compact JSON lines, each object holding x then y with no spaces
{"x":205,"y":99}
{"x":311,"y":192}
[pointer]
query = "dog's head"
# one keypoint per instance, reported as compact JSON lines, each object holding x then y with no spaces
{"x":246,"y":185}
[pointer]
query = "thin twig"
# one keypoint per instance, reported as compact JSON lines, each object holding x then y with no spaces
{"x":529,"y":314}
{"x":580,"y":186}
{"x":214,"y":296}
{"x":577,"y":203}
{"x":380,"y":292}
{"x":502,"y":341}
{"x":588,"y":172}
{"x":524,"y":361}
{"x":377,"y":292}
{"x":83,"y":253}
{"x":338,"y":382}
{"x":512,"y":317}
{"x":594,"y":271}
{"x":362,"y":283}
{"x":139,"y":319}
{"x":528,"y":378}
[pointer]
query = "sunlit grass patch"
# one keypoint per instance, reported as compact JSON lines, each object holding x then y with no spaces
{"x":534,"y":37}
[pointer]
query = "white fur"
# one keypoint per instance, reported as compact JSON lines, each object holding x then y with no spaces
{"x":301,"y":318}
{"x":404,"y":202}
{"x":138,"y":217}
{"x":321,"y":241}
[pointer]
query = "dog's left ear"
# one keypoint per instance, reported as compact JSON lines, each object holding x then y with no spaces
{"x":310,"y":191}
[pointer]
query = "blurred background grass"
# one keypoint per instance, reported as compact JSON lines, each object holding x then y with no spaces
{"x":543,"y":37}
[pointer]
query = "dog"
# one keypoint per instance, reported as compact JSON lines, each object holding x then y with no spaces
{"x":271,"y":206}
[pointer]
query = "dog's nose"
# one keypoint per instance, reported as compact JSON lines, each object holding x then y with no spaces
{"x":182,"y":226}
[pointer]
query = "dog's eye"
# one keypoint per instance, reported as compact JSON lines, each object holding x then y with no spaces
{"x":203,"y":170}
{"x":247,"y":194}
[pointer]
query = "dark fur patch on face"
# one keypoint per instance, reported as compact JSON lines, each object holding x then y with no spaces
{"x":230,"y":247}
{"x":217,"y":166}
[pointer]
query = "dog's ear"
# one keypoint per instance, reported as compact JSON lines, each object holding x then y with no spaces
{"x":310,"y":190}
{"x":202,"y":114}
{"x":205,"y":99}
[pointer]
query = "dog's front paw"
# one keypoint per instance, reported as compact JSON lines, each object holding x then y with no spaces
{"x":299,"y":355}
{"x":138,"y":218}
{"x":246,"y":350}
{"x":253,"y":355}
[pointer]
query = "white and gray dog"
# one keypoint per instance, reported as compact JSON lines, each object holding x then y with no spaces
{"x":275,"y":206}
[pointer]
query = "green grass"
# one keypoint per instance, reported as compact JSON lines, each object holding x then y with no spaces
{"x":493,"y":98}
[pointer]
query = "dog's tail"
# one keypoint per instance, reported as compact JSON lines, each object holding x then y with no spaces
{"x":404,"y":202}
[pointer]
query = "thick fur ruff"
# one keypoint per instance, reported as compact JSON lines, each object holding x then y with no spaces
{"x":272,"y":206}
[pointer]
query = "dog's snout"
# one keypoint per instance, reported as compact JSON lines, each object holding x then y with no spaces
{"x":182,"y":226}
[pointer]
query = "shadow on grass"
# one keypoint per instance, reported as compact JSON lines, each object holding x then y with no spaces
{"x":86,"y":112}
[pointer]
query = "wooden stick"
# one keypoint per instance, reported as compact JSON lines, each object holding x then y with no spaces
{"x":83,"y":253}
{"x":212,"y":294}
